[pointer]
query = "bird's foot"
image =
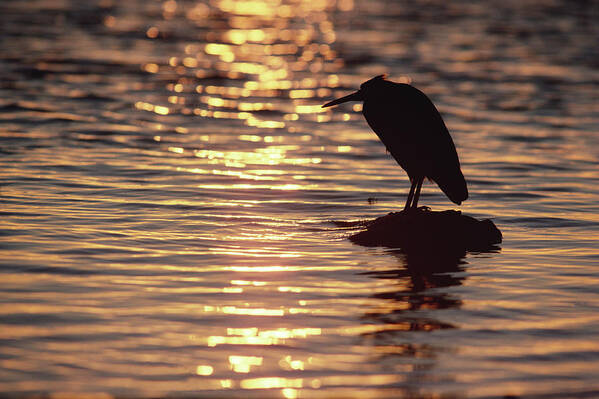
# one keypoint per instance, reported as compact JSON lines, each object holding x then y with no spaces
{"x":418,"y":209}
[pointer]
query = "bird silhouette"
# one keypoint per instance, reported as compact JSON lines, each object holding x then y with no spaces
{"x":412,"y":129}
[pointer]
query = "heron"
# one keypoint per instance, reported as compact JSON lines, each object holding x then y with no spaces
{"x":412,"y":129}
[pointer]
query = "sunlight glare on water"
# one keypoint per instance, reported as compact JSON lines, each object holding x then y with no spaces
{"x":173,"y":199}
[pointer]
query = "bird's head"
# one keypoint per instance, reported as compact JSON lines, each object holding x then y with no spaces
{"x":361,"y":94}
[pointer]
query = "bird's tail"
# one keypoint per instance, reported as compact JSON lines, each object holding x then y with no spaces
{"x":453,"y":184}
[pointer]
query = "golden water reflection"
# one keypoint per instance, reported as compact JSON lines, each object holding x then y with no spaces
{"x":397,"y":300}
{"x":268,"y":49}
{"x":184,"y":243}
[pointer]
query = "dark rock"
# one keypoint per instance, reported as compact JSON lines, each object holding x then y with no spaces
{"x":423,"y":229}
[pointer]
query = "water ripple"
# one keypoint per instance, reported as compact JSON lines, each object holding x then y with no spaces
{"x":169,"y":179}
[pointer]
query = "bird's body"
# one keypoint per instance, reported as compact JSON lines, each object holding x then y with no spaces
{"x":412,"y":129}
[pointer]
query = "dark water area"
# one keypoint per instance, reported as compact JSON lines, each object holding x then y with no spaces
{"x":175,"y":204}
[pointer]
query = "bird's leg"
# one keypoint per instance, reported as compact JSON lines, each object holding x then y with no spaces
{"x":410,"y":194}
{"x":419,"y":181}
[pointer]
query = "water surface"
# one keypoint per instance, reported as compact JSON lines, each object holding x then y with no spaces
{"x":169,"y":187}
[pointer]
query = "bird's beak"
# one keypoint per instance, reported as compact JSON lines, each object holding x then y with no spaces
{"x":357,"y":96}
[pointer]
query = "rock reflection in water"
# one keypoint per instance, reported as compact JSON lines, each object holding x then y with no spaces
{"x":423,"y":281}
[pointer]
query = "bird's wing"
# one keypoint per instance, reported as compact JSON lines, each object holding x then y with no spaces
{"x":445,"y":169}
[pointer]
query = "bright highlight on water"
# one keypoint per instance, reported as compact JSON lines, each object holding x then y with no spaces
{"x":176,"y":205}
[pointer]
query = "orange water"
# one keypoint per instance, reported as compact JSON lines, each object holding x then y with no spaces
{"x":169,"y":185}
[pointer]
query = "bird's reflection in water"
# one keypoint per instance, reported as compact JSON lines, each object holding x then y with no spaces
{"x":423,"y":282}
{"x":418,"y":275}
